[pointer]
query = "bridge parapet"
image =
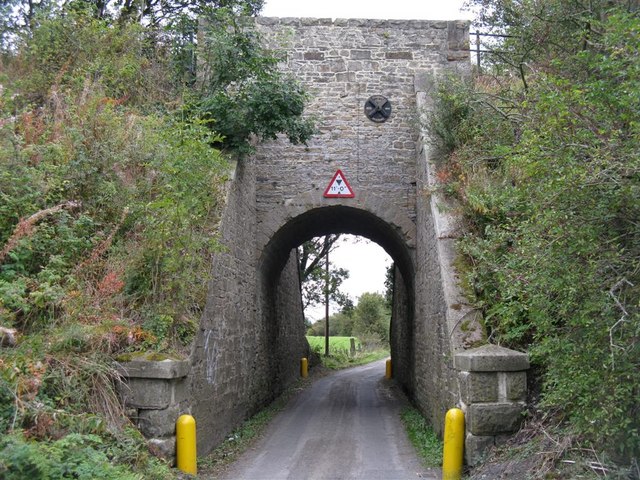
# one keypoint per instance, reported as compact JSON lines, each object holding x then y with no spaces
{"x":155,"y":394}
{"x":493,"y":391}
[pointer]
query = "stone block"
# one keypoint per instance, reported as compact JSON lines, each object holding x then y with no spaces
{"x":491,"y":358}
{"x":478,"y":387}
{"x":154,"y":369}
{"x":494,"y":418}
{"x":516,"y":386}
{"x":158,"y":423}
{"x":424,"y":82}
{"x":360,"y":54}
{"x":399,"y":55}
{"x":180,"y":391}
{"x":458,"y":35}
{"x":313,"y":56}
{"x":476,"y":448}
{"x":345,"y":77}
{"x":163,"y":448}
{"x":149,"y":393}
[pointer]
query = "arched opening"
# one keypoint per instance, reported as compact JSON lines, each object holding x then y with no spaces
{"x":275,"y":286}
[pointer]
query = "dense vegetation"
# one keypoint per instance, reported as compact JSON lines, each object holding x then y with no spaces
{"x":541,"y":151}
{"x":112,"y":171}
{"x":369,"y":320}
{"x":111,"y":178}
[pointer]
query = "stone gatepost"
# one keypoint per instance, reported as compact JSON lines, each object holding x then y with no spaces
{"x":155,"y":394}
{"x":493,"y":391}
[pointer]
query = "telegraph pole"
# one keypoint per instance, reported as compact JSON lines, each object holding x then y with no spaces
{"x":326,"y":297}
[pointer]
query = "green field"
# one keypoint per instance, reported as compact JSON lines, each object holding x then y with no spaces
{"x":340,"y":352}
{"x":335,"y":343}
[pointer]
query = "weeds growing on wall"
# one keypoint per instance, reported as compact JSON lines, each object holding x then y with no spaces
{"x":548,"y":174}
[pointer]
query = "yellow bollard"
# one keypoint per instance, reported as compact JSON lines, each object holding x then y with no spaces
{"x":453,"y":445}
{"x":387,"y":372}
{"x":186,"y":456}
{"x":304,"y":367}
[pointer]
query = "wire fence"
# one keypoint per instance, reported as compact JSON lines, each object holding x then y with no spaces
{"x":478,"y":46}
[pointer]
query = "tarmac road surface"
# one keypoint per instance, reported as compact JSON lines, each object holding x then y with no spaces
{"x":344,"y":426}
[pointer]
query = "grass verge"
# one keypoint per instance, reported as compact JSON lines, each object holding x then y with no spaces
{"x":340,"y":360}
{"x":340,"y":352}
{"x":335,"y":343}
{"x":423,"y":438}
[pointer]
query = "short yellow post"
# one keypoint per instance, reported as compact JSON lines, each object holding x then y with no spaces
{"x":304,"y":367}
{"x":453,"y":445}
{"x":186,"y":444}
{"x":387,"y":372}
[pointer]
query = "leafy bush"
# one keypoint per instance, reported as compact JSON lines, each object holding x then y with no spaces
{"x":73,"y":456}
{"x":80,"y":456}
{"x":554,"y":246}
{"x":244,"y":94}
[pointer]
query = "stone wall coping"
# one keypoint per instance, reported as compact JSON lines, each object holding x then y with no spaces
{"x":491,"y":358}
{"x":163,"y":369}
{"x":359,"y":22}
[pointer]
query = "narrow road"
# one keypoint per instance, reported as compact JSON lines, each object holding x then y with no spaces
{"x":345,"y":426}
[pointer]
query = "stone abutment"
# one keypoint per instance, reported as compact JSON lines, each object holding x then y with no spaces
{"x":251,"y":336}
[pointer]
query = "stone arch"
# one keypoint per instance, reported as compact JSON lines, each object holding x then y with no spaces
{"x":310,"y":215}
{"x":302,"y":219}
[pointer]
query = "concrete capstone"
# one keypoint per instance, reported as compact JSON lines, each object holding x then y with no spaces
{"x":491,"y":358}
{"x":154,"y":369}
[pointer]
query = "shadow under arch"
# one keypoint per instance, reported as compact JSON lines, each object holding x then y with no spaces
{"x":336,"y":219}
{"x":324,"y":220}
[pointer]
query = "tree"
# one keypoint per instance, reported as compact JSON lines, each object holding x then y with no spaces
{"x":543,"y":31}
{"x":311,"y":266}
{"x":548,"y":178}
{"x":18,"y":17}
{"x":371,"y":317}
{"x":241,"y":94}
{"x":389,"y":285}
{"x":244,"y":94}
{"x":340,"y":324}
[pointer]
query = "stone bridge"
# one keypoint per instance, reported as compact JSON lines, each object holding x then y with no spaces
{"x":251,"y":336}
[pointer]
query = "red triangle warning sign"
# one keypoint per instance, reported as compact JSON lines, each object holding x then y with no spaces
{"x":339,"y":187}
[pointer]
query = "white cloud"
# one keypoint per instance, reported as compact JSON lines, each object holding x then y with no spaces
{"x":367,"y":264}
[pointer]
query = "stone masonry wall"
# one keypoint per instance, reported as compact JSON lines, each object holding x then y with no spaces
{"x":342,"y":63}
{"x":438,"y":299}
{"x":229,"y":373}
{"x":487,"y":382}
{"x":251,"y":335}
{"x":401,"y":333}
{"x":242,"y":355}
{"x":290,"y":344}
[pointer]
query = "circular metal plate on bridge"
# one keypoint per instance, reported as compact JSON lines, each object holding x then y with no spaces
{"x":377,"y":108}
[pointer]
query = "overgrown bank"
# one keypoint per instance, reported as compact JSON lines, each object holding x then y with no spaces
{"x":112,"y":172}
{"x":541,"y":152}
